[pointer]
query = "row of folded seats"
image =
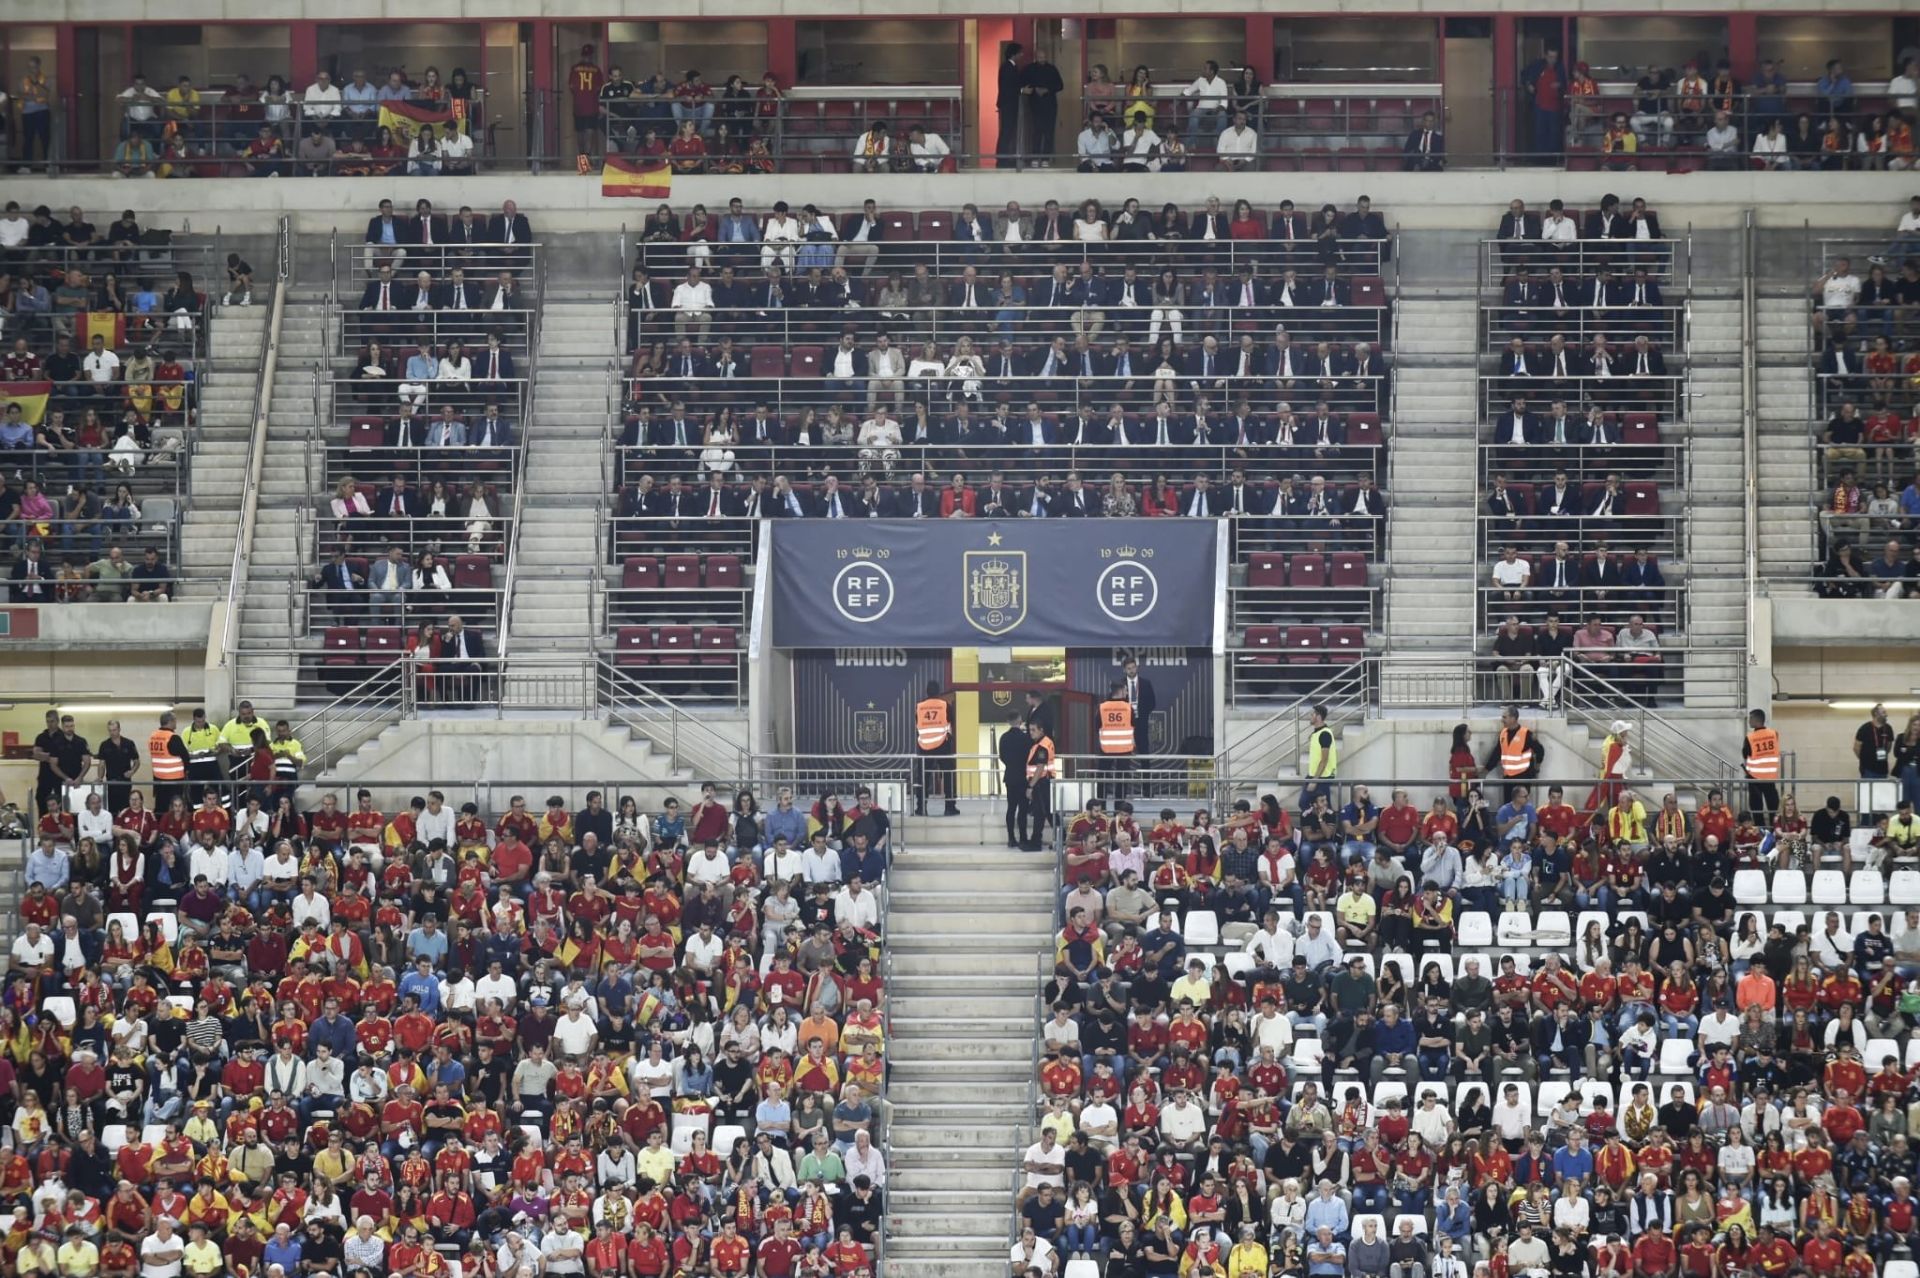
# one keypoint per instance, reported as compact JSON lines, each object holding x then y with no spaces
{"x":681,"y":572}
{"x":1308,"y":570}
{"x":642,"y":646}
{"x":1827,"y":887}
{"x":1274,"y":645}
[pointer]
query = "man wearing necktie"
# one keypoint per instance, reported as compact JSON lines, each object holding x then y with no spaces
{"x":1139,"y":695}
{"x":1425,"y":149}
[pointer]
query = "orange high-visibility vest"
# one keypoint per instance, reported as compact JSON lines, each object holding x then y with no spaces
{"x":1116,"y":727}
{"x":1047,"y":766}
{"x":1763,"y":754}
{"x":167,"y":766}
{"x":1516,"y":751}
{"x":930,"y":718}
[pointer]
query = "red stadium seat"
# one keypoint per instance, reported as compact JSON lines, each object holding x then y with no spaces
{"x":1304,"y":645}
{"x":1363,"y":430}
{"x":367,"y":432}
{"x":723,"y":572}
{"x":1369,"y":290}
{"x":681,"y":572}
{"x":769,"y":361}
{"x":898,"y":224}
{"x":384,"y":644}
{"x":675,"y":645}
{"x":641,"y":572}
{"x":1642,"y":499}
{"x":342,"y":645}
{"x":472,"y":572}
{"x":633,"y":646}
{"x":1349,"y":570}
{"x":1264,"y":568}
{"x":1306,"y":572}
{"x":1349,"y":643}
{"x":807,"y":361}
{"x":935,"y":224}
{"x":1642,"y":429}
{"x":1265,"y":643}
{"x":719,"y":645}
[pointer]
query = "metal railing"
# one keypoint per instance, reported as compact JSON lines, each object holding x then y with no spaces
{"x":1664,"y":608}
{"x":1659,"y":534}
{"x":1663,"y":394}
{"x":1663,"y":465}
{"x":1581,"y":260}
{"x":687,"y":740}
{"x":1534,"y":324}
{"x":1278,"y":743}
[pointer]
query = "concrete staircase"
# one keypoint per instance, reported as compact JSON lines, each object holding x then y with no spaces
{"x":228,"y":388}
{"x":552,"y":604}
{"x":266,"y":669}
{"x":1433,"y":482}
{"x":1787,"y":472}
{"x":1716,"y":545}
{"x":967,"y":919}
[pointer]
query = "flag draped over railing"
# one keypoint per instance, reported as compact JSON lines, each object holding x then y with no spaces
{"x":647,"y":179}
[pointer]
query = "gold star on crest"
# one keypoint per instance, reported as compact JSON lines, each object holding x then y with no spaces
{"x":993,"y":539}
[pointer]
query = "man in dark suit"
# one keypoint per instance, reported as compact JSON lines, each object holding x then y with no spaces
{"x":1139,"y":694}
{"x":1425,"y":149}
{"x":1200,"y":501}
{"x":32,"y":576}
{"x":835,"y":502}
{"x":1073,"y":501}
{"x":489,"y":429}
{"x":750,"y":501}
{"x":1605,"y":222}
{"x":408,"y":430}
{"x":1646,"y":369}
{"x":1556,"y":578}
{"x":1646,"y":586}
{"x":1012,"y":749}
{"x":1519,"y":234}
{"x":383,"y":292}
{"x":1506,"y":509}
{"x":467,"y":232}
{"x":395,"y":507}
{"x":970,"y":291}
{"x":387,"y":237}
{"x":510,"y":228}
{"x":428,"y":232}
{"x":672,"y":503}
{"x":457,"y":661}
{"x":676,"y":430}
{"x":1365,"y":224}
{"x":339,"y":585}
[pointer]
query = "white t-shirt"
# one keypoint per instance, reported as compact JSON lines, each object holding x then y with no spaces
{"x":708,"y":869}
{"x":1840,"y":291}
{"x":1909,"y":223}
{"x":703,"y":952}
{"x":573,"y":1035}
{"x":30,"y":954}
{"x":1053,"y":1161}
{"x":151,"y":1245}
{"x":1511,"y":576}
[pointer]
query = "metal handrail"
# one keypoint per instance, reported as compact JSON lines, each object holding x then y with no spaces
{"x":1750,"y":435}
{"x":257,"y":449}
{"x":1277,"y":741}
{"x":688,"y":741}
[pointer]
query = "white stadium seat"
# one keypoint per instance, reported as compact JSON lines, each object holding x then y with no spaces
{"x":1237,"y":965}
{"x":61,"y":1008}
{"x":1878,"y":1049}
{"x":1476,"y":930}
{"x":1829,"y":888}
{"x":169,"y":925}
{"x":1202,"y":927}
{"x":1549,"y":1096}
{"x":1867,"y":887}
{"x":1390,"y":1089}
{"x":1750,"y":887}
{"x":1081,"y":1267}
{"x":1515,"y":929}
{"x":113,"y":1137}
{"x":1553,"y":928}
{"x":1675,"y":1055}
{"x":1789,"y":887}
{"x":1308,"y":1053}
{"x":1379,"y":1226}
{"x":1903,"y":887}
{"x":725,"y":1138}
{"x":1419,"y":1223}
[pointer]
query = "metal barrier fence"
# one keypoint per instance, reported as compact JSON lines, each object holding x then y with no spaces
{"x":938,"y":241}
{"x":1661,"y":393}
{"x":1601,"y":243}
{"x":1535,"y":324}
{"x":1639,"y":460}
{"x":1659,"y":534}
{"x":1663,"y":608}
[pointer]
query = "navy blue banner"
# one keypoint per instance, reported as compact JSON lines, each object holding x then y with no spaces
{"x":952,"y":583}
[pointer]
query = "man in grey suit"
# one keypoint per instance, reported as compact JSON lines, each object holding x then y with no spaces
{"x":886,"y":372}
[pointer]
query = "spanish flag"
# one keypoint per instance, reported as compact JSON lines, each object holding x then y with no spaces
{"x":643,"y":177}
{"x":404,"y":119}
{"x":31,"y":396}
{"x":108,"y":324}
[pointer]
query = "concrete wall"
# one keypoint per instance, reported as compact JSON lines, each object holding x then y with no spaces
{"x":535,"y":756}
{"x":1463,"y":199}
{"x":1846,"y":623}
{"x":106,"y":626}
{"x":1807,"y":680}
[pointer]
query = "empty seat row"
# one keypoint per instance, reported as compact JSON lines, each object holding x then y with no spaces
{"x":1305,"y":645}
{"x":1307,"y":570}
{"x":675,"y":646}
{"x":1826,"y":887}
{"x":681,"y":572}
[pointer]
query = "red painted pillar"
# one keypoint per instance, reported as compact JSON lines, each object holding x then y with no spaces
{"x":1743,"y":46}
{"x":783,"y":51}
{"x":1259,"y":52}
{"x":989,"y":34}
{"x":303,"y":53}
{"x":1506,"y":83}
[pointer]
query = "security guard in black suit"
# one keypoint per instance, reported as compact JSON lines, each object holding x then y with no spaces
{"x":1013,"y":749}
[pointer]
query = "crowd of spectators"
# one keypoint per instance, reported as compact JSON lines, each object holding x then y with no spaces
{"x":1497,"y":1035}
{"x":245,"y":1029}
{"x":327,"y":129}
{"x":1866,"y":370}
